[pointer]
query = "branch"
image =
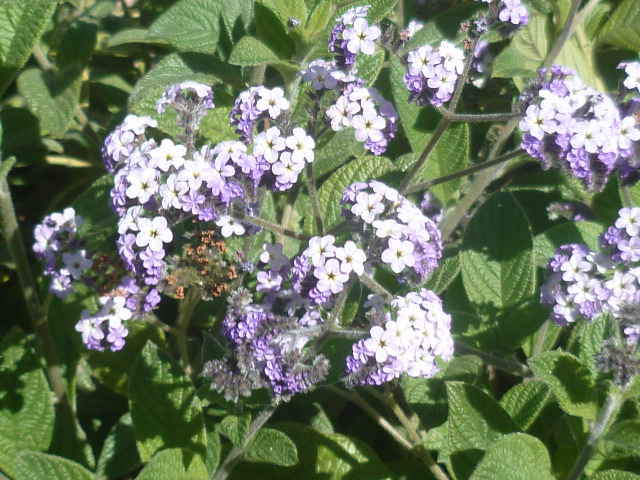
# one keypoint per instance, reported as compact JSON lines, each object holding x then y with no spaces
{"x":276,"y":229}
{"x":313,"y":196}
{"x":510,"y":366}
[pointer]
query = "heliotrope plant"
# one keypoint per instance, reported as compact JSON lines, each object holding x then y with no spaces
{"x":193,"y":225}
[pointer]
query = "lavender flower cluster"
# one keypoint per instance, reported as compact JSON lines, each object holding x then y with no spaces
{"x":57,"y":243}
{"x":405,"y":340}
{"x":584,"y":283}
{"x":432,"y":73}
{"x":266,"y":350}
{"x":393,"y":229}
{"x":352,"y":34}
{"x":578,"y":129}
{"x":632,"y":82}
{"x":511,"y":15}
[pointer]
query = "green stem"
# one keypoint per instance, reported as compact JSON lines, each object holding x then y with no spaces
{"x":375,"y":416}
{"x":564,"y":34}
{"x":276,"y":229}
{"x":626,"y":196}
{"x":510,"y":366}
{"x":418,"y":187}
{"x":185,"y":312}
{"x":375,"y":287}
{"x":313,"y":196}
{"x":542,"y":335}
{"x":479,"y":117}
{"x":235,"y":455}
{"x":611,"y":407}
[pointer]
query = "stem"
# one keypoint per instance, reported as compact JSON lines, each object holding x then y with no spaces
{"x":375,"y":287}
{"x":284,"y":223}
{"x":478,"y":117}
{"x":418,"y":187}
{"x":235,"y":455}
{"x":626,"y":196}
{"x":337,"y":306}
{"x":151,"y":319}
{"x":37,"y":313}
{"x":542,"y":335}
{"x":510,"y":366}
{"x":564,"y":34}
{"x":462,"y":79}
{"x":611,"y":407}
{"x":439,"y":131}
{"x":313,"y":196}
{"x":374,"y":414}
{"x":276,"y":229}
{"x":185,"y":312}
{"x":418,"y":446}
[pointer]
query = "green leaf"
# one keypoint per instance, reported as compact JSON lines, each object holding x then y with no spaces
{"x":271,"y":446}
{"x":524,"y":401}
{"x":235,"y":428}
{"x":621,"y":30}
{"x":334,"y":152}
{"x":379,"y":9}
{"x":234,"y":13}
{"x":496,"y":256}
{"x":515,"y":457}
{"x":614,"y":475}
{"x":359,"y":170}
{"x":285,"y":9}
{"x":319,"y":17}
{"x":250,"y":51}
{"x":271,"y":31}
{"x":119,"y":453}
{"x":447,"y":270}
{"x":621,"y":440}
{"x":525,"y":320}
{"x":213,"y":451}
{"x":215,"y":126}
{"x":174,"y":464}
{"x":21,"y":24}
{"x":77,"y":43}
{"x":41,"y":466}
{"x":189,"y":26}
{"x":51,"y":98}
{"x":475,"y":422}
{"x":570,"y":382}
{"x":545,"y":243}
{"x":163,"y":405}
{"x":26,"y":406}
{"x":369,"y":66}
{"x":587,"y":338}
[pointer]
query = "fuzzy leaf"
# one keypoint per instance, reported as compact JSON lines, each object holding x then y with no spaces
{"x":32,"y":465}
{"x":447,"y":270}
{"x":250,"y":51}
{"x":235,"y":428}
{"x":21,"y":24}
{"x":119,"y":453}
{"x":334,"y":152}
{"x":271,"y":446}
{"x":515,"y":457}
{"x":525,"y":401}
{"x":621,"y":30}
{"x":544,"y":244}
{"x":570,"y":381}
{"x":189,"y":26}
{"x":614,"y":475}
{"x":174,"y":464}
{"x":163,"y":405}
{"x":621,"y":440}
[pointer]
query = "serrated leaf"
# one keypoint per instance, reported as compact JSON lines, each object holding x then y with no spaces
{"x":621,"y":440}
{"x":369,"y":66}
{"x":51,"y":98}
{"x":21,"y":24}
{"x":119,"y":454}
{"x":189,"y":26}
{"x":544,"y":244}
{"x":614,"y":475}
{"x":515,"y":457}
{"x":271,"y":446}
{"x":235,"y":428}
{"x":334,"y":152}
{"x":32,"y":465}
{"x":26,"y":406}
{"x":524,"y":401}
{"x":570,"y":381}
{"x":174,"y":464}
{"x":621,"y":30}
{"x":250,"y":51}
{"x":163,"y":405}
{"x":359,"y":170}
{"x":496,"y":256}
{"x":475,"y":422}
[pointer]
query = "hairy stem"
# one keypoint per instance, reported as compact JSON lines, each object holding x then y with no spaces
{"x":185,"y":312}
{"x":235,"y":455}
{"x":479,"y":117}
{"x":375,"y":287}
{"x":276,"y":229}
{"x":375,"y":416}
{"x":510,"y":366}
{"x":313,"y":196}
{"x":564,"y":34}
{"x":418,"y":187}
{"x":611,"y":407}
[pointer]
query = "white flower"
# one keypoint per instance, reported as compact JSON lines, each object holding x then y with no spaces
{"x":272,"y":100}
{"x":341,"y":113}
{"x":388,"y":228}
{"x":286,"y":169}
{"x":361,"y":37}
{"x":632,"y":69}
{"x":229,"y":226}
{"x":351,"y":258}
{"x":398,"y":255}
{"x":629,"y":220}
{"x":169,"y":155}
{"x":330,"y":277}
{"x":381,"y":344}
{"x":320,"y":248}
{"x":269,"y":144}
{"x":172,"y":191}
{"x":301,"y":145}
{"x":142,"y":184}
{"x":367,"y":206}
{"x":369,"y":125}
{"x":538,"y":122}
{"x":153,"y":233}
{"x":114,"y":310}
{"x":75,"y":263}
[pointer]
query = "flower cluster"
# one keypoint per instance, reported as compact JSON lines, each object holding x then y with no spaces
{"x":406,"y":340}
{"x":632,"y":69}
{"x":584,"y":283}
{"x":253,"y":105}
{"x":352,"y":34}
{"x":57,"y":243}
{"x":191,"y":101}
{"x":266,"y":350}
{"x":571,"y":126}
{"x":394,"y":230}
{"x":432,"y":73}
{"x":511,"y":15}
